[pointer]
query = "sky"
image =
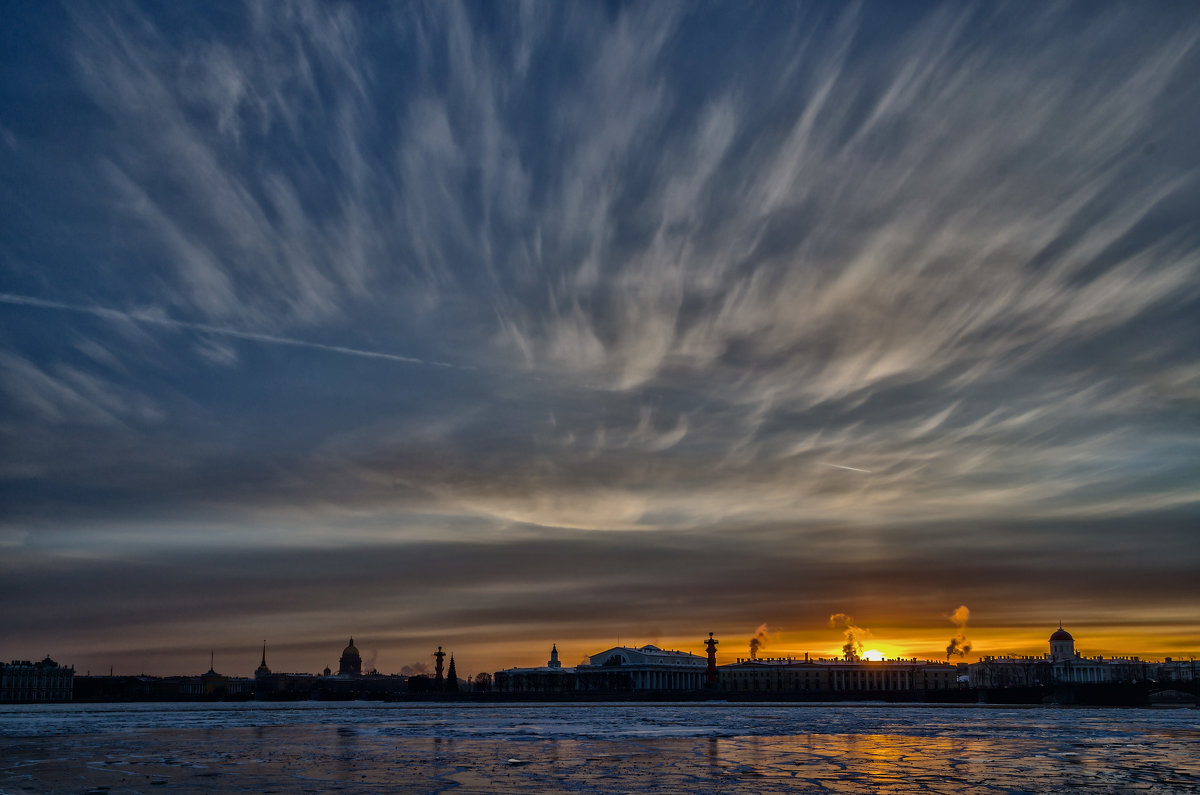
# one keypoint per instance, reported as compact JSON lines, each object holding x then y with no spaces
{"x":498,"y":325}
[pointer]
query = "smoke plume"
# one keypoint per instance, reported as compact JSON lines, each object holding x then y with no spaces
{"x":854,"y":635}
{"x":759,"y":641}
{"x":416,"y":669}
{"x":959,"y":644}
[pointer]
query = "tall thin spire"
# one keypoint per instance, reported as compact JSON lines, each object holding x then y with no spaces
{"x":262,"y":669}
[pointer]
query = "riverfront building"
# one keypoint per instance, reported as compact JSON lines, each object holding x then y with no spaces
{"x":22,"y":682}
{"x":549,"y":678}
{"x":1174,"y":670}
{"x":1062,"y":666}
{"x":796,"y":675}
{"x":645,"y":667}
{"x":619,"y":669}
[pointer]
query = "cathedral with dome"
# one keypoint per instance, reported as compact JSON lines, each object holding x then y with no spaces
{"x":350,"y":663}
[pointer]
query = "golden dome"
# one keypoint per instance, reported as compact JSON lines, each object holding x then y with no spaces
{"x":351,"y":650}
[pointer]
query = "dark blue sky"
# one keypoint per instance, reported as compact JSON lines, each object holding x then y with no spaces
{"x":490,"y":325}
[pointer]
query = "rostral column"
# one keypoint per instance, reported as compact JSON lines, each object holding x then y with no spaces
{"x":711,"y":645}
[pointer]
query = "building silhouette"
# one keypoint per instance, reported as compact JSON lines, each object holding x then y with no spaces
{"x":548,"y":678}
{"x":262,"y":670}
{"x":1062,"y":675}
{"x":855,"y":678}
{"x":619,"y":669}
{"x":1063,"y":665}
{"x":350,"y":663}
{"x":22,"y":681}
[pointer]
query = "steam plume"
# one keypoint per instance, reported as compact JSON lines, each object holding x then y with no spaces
{"x":418,"y":668}
{"x":853,"y":647}
{"x":759,"y":641}
{"x":959,"y":644}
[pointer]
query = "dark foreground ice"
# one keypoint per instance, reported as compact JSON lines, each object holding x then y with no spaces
{"x":714,"y":747}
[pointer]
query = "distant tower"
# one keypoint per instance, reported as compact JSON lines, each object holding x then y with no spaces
{"x":262,"y":669}
{"x":452,"y":677}
{"x":711,"y":645}
{"x":554,"y":663}
{"x":1062,"y":645}
{"x":351,"y":662}
{"x":439,"y":655}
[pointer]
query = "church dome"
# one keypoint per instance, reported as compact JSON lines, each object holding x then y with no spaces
{"x":1061,"y":634}
{"x":351,"y":650}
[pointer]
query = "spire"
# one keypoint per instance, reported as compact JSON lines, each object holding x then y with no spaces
{"x":262,"y":669}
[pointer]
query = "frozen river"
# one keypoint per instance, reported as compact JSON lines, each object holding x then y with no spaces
{"x":710,"y":747}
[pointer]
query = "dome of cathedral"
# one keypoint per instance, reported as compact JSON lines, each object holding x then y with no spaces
{"x":1061,"y":634}
{"x":351,"y":650}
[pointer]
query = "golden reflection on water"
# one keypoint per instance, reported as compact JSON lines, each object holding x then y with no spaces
{"x":875,"y":762}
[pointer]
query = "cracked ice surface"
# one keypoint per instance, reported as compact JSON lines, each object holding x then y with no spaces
{"x":361,"y":747}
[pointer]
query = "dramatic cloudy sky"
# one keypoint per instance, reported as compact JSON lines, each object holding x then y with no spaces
{"x":502,"y":324}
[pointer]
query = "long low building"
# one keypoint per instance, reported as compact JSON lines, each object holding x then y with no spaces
{"x":804,"y":675}
{"x":1065,"y":666}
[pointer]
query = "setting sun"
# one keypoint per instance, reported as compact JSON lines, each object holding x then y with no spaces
{"x":874,"y":655}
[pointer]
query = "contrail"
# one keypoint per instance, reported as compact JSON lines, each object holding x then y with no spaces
{"x":129,"y":317}
{"x":852,"y":469}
